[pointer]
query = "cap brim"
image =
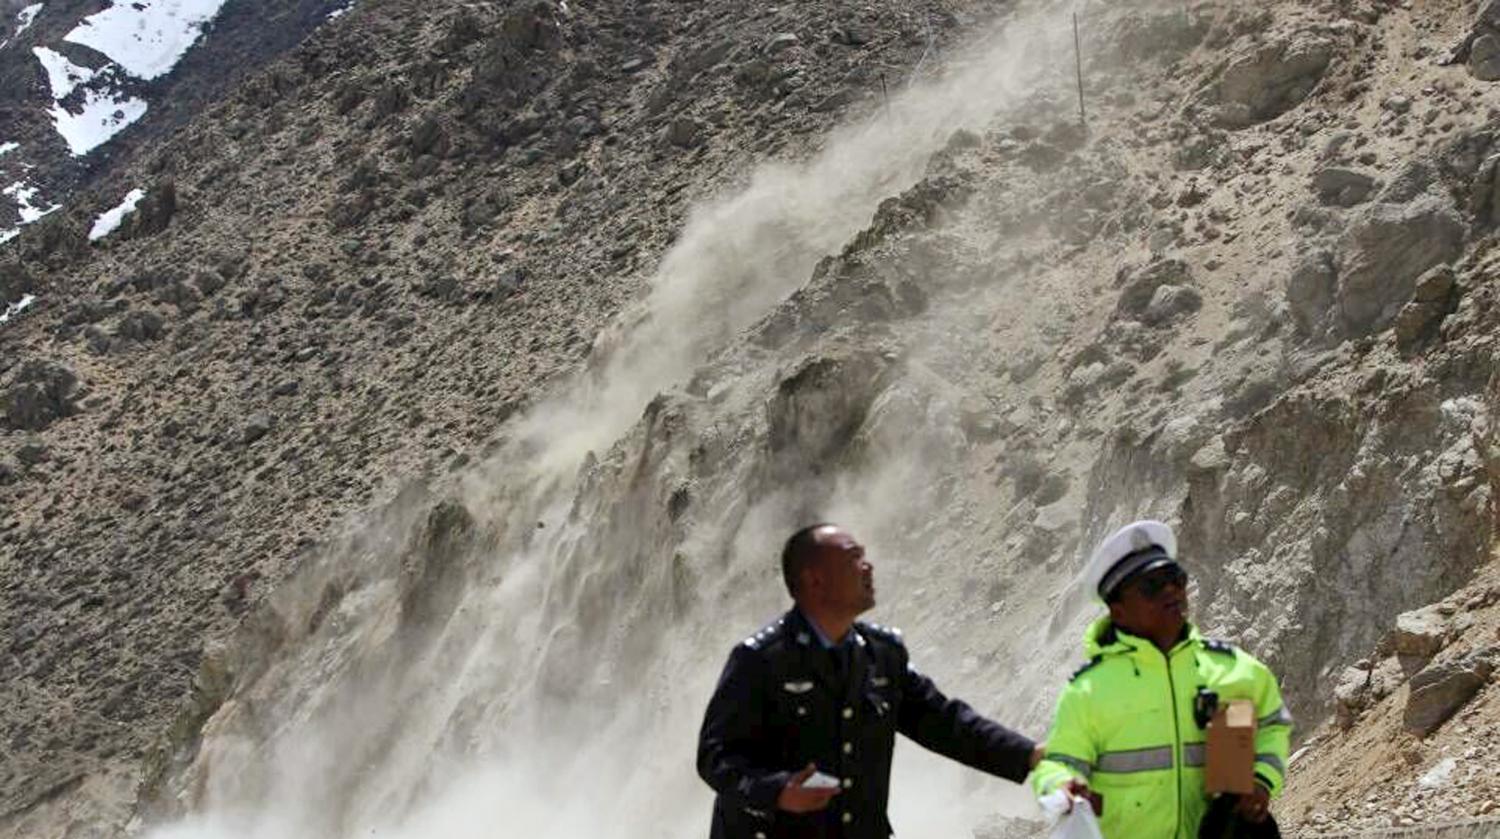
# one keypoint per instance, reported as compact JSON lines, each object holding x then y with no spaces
{"x":1131,"y":567}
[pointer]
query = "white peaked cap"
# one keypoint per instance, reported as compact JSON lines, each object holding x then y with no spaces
{"x":1129,"y":539}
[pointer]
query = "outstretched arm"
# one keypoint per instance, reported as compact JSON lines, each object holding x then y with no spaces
{"x":953,"y":729}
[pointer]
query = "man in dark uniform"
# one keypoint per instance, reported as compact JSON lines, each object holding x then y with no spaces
{"x":798,"y":736}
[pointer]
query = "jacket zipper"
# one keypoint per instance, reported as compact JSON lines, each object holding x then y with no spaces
{"x":1176,"y":744}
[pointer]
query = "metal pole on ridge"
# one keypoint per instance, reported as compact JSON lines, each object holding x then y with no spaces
{"x":1083,"y":117}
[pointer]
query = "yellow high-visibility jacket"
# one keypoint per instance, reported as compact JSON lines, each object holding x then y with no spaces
{"x":1125,"y":725}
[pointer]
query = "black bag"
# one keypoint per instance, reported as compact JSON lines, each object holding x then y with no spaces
{"x":1222,"y":823}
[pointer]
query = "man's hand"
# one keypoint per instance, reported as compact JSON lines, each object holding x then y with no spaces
{"x":1080,"y":789}
{"x":1037,"y":753}
{"x":795,"y":798}
{"x":1254,"y":806}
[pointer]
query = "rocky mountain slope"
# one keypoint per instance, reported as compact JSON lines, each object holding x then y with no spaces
{"x":344,"y":275}
{"x":1253,"y":297}
{"x":1416,"y":736}
{"x":85,"y":85}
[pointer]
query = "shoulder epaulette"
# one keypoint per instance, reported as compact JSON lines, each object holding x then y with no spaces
{"x":885,"y":633}
{"x":1223,"y":647}
{"x":766,"y":634}
{"x":1086,"y":667}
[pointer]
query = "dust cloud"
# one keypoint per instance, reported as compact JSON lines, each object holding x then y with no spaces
{"x":555,"y":685}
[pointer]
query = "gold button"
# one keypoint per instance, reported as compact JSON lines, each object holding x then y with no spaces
{"x":848,"y":817}
{"x":848,"y":782}
{"x":848,"y":748}
{"x":848,"y":713}
{"x":759,"y":835}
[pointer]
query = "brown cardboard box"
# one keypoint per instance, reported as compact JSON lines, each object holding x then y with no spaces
{"x":1231,"y":748}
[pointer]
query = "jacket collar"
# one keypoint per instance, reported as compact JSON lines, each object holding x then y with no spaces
{"x":1103,"y":638}
{"x":804,"y":634}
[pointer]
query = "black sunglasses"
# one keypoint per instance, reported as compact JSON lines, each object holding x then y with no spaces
{"x":1153,"y":583}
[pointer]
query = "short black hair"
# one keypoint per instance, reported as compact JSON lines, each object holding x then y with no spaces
{"x":799,"y":552}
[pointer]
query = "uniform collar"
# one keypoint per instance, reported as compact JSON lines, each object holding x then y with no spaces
{"x":811,"y":626}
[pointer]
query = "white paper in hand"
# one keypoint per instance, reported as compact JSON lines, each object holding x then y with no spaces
{"x":819,"y":780}
{"x":1078,"y":824}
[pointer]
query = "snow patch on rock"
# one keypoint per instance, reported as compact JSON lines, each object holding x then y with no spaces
{"x":26,"y":17}
{"x":147,"y":37}
{"x":101,"y":117}
{"x":63,"y":76}
{"x":111,"y":220}
{"x":16,"y":308}
{"x":23,"y":195}
{"x":7,"y":148}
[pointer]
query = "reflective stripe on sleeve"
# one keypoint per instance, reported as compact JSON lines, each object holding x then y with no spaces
{"x":1082,"y":767}
{"x":1136,"y":760}
{"x":1195,"y":754}
{"x":1272,"y":761}
{"x":1280,"y":717}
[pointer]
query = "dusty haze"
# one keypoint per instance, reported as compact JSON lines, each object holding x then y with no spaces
{"x":551,"y":707}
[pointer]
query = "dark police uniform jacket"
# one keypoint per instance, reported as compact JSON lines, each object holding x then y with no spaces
{"x":783,"y":703}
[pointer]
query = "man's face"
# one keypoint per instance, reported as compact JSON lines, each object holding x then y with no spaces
{"x":1153,"y":605}
{"x":841,"y":577}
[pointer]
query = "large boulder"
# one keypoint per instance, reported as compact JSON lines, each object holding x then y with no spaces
{"x":1436,"y":297}
{"x":1340,"y":187}
{"x":1272,"y":78}
{"x":1384,"y":253}
{"x":684,"y":132}
{"x":819,"y":405}
{"x":1439,"y":691}
{"x":15,"y":282}
{"x":1484,"y":58}
{"x":154,"y":212}
{"x":1420,"y":633}
{"x":43,"y":392}
{"x":1157,"y":292}
{"x":1483,"y":43}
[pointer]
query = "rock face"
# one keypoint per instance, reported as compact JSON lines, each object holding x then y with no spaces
{"x":1310,"y":290}
{"x":1272,"y":78}
{"x":1484,"y":196}
{"x":1384,"y":253}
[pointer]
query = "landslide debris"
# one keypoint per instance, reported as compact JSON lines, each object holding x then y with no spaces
{"x":348,"y":270}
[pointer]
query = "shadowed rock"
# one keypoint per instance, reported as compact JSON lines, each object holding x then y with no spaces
{"x":1272,"y":79}
{"x":43,"y":393}
{"x":1388,"y":249}
{"x":1440,"y":690}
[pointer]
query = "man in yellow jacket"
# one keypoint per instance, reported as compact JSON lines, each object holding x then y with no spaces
{"x":1125,"y":734}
